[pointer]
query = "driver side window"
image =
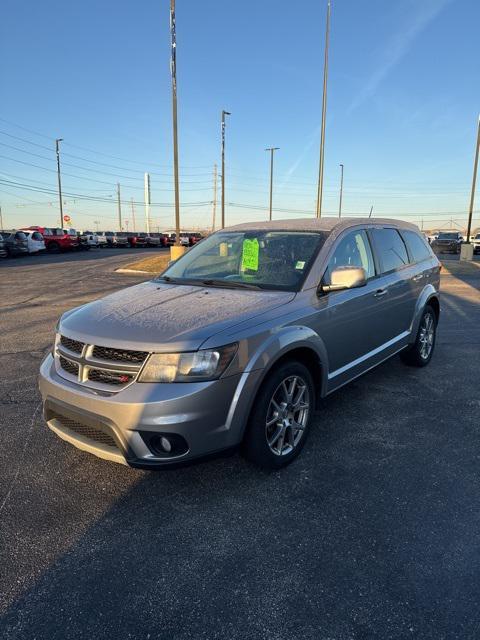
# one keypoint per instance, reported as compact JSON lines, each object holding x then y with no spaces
{"x":353,"y":250}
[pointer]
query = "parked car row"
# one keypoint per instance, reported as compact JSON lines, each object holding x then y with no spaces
{"x":36,"y":239}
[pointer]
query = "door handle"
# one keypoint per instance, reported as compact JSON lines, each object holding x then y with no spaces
{"x":417,"y":278}
{"x":380,"y":292}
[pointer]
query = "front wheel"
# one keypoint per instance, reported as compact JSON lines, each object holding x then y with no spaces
{"x":420,"y":353}
{"x":281,"y":417}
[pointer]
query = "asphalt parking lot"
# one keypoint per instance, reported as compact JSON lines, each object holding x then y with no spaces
{"x":371,"y":533}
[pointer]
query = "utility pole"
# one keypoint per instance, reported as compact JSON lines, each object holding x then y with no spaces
{"x":224,"y":113}
{"x":173,"y":72}
{"x":214,"y":213}
{"x":324,"y":115}
{"x":57,"y":151}
{"x":96,"y":223}
{"x":133,"y":214}
{"x":341,"y":192}
{"x":474,"y":182}
{"x":119,"y":207}
{"x":1,"y":219}
{"x":147,"y":202}
{"x":272,"y":151}
{"x":371,"y":211}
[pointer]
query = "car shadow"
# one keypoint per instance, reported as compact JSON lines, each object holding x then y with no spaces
{"x":334,"y":545}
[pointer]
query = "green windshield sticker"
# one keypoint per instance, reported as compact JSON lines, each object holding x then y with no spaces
{"x":250,"y":255}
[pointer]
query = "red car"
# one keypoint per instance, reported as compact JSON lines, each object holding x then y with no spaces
{"x":56,"y":239}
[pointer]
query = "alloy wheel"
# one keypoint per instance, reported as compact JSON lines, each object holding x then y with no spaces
{"x":287,"y":415}
{"x":426,"y":336}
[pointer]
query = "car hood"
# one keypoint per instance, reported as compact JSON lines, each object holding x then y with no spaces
{"x":155,"y":316}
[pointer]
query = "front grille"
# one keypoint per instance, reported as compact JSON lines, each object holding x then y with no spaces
{"x":119,"y":355}
{"x":86,"y":431}
{"x":71,"y":345}
{"x":109,"y":377}
{"x":96,"y":366}
{"x":69,"y":366}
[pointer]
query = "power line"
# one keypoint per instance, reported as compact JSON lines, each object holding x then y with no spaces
{"x":51,"y":138}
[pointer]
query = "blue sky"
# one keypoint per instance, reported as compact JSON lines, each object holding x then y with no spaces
{"x":403,"y":103}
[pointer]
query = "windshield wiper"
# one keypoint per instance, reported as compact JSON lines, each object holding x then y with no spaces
{"x":232,"y":284}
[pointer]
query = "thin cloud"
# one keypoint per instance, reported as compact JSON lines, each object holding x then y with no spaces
{"x":311,"y":141}
{"x":398,"y":46}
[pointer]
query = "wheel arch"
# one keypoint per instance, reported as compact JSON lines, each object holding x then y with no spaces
{"x":292,"y":343}
{"x":429,"y":296}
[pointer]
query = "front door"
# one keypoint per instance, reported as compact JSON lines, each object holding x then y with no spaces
{"x":350,"y":321}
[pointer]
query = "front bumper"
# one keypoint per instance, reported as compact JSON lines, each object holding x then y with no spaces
{"x":207,"y":416}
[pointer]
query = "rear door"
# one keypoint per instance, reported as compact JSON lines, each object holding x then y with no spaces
{"x":396,"y":287}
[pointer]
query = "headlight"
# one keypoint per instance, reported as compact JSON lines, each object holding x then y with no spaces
{"x":208,"y":364}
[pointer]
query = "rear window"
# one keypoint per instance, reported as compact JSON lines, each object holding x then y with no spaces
{"x":390,"y":249}
{"x":419,"y":249}
{"x":37,"y":236}
{"x":20,"y":235}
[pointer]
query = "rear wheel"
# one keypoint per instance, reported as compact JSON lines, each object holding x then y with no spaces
{"x":53,"y":247}
{"x":420,"y":353}
{"x":280,"y":417}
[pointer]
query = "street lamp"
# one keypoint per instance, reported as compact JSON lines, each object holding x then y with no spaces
{"x":224,"y":113}
{"x":472,"y":193}
{"x":57,"y":151}
{"x":272,"y":150}
{"x":173,"y":70}
{"x":324,"y":115}
{"x":341,"y":192}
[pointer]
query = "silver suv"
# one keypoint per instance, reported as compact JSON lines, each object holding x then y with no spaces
{"x":236,"y":341}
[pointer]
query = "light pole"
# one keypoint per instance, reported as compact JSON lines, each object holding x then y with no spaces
{"x":324,"y":115}
{"x":173,"y":71}
{"x":57,"y":151}
{"x":147,"y":201}
{"x":474,"y":181}
{"x":133,"y":214}
{"x":224,"y":113}
{"x":341,"y":192}
{"x":119,"y":207}
{"x":272,"y":151}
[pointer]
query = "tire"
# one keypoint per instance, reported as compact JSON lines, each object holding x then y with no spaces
{"x":421,"y":352}
{"x":271,"y":442}
{"x":53,"y":247}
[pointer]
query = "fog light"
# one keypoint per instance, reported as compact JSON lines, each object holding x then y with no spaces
{"x":165,"y":442}
{"x":165,"y":445}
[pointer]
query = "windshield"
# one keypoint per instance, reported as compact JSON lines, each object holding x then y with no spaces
{"x":448,"y":236}
{"x":259,"y":259}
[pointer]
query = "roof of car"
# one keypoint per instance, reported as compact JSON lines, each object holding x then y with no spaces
{"x":317,"y":224}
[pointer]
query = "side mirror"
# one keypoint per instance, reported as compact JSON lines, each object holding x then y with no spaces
{"x":345,"y":278}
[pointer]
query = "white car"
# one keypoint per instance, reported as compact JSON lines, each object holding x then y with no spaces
{"x":476,"y":243}
{"x":91,"y":239}
{"x":35,"y":241}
